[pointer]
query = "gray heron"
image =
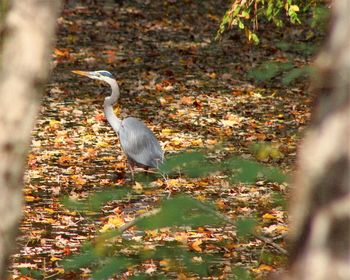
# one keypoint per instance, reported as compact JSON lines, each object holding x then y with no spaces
{"x":138,"y":142}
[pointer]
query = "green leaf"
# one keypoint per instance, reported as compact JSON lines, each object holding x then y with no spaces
{"x":180,"y":211}
{"x":245,"y":226}
{"x":193,"y":164}
{"x":182,"y":257}
{"x":295,"y":74}
{"x":145,"y":276}
{"x":240,"y":24}
{"x":265,"y":72}
{"x":80,"y":260}
{"x":180,"y":161}
{"x":320,"y":16}
{"x":279,"y":200}
{"x":241,"y":274}
{"x":255,"y":38}
{"x":95,"y":201}
{"x":269,"y":70}
{"x":274,"y":175}
{"x":111,"y":267}
{"x":36,"y":274}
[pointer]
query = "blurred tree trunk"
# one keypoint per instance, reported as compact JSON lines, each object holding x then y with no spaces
{"x":29,"y":30}
{"x":320,"y":214}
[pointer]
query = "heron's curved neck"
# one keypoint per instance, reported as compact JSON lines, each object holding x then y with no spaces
{"x":111,"y":100}
{"x":113,"y":120}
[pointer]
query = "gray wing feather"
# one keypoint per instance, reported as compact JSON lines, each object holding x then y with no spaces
{"x":139,"y":143}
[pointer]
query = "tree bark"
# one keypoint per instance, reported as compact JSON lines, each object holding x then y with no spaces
{"x":29,"y":30}
{"x":320,"y":213}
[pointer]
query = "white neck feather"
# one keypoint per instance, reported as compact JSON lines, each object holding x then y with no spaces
{"x":113,"y":120}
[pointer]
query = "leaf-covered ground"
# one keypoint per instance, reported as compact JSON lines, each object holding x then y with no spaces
{"x":193,"y":92}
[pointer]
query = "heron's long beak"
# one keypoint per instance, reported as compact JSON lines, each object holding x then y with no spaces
{"x":82,"y":73}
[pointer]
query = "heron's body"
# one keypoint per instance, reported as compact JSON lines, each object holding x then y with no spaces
{"x":137,"y":141}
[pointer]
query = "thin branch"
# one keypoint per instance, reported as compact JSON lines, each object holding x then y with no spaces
{"x":207,"y":209}
{"x":267,"y":240}
{"x":134,"y":221}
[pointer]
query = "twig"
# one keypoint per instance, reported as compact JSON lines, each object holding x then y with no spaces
{"x":267,"y":240}
{"x":52,"y":275}
{"x":203,"y":207}
{"x":134,"y":221}
{"x":270,"y":242}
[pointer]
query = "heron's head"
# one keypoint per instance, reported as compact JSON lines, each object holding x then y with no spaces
{"x":101,"y":75}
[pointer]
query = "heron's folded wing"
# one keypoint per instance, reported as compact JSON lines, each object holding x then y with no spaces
{"x":139,"y":143}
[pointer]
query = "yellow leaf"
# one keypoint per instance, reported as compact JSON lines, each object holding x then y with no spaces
{"x":181,"y":237}
{"x":88,"y":137}
{"x":174,"y":182}
{"x":29,"y":198}
{"x":294,"y":8}
{"x":201,"y":197}
{"x":102,"y":144}
{"x":138,"y":188}
{"x":167,"y":131}
{"x":141,"y":211}
{"x":49,"y":221}
{"x":268,"y":216}
{"x":55,"y":259}
{"x":49,"y":210}
{"x":275,"y":153}
{"x":152,"y":233}
{"x":281,"y":229}
{"x":138,"y":60}
{"x":59,"y":270}
{"x":117,"y":111}
{"x":115,"y":221}
{"x":212,"y":75}
{"x":197,"y":142}
{"x":78,"y":179}
{"x":105,"y":228}
{"x":176,"y":142}
{"x":54,"y":123}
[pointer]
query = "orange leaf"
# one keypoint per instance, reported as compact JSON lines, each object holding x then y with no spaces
{"x":196,"y":245}
{"x":186,"y":100}
{"x":265,"y":267}
{"x":159,"y":87}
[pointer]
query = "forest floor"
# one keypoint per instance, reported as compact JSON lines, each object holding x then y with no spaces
{"x":193,"y":92}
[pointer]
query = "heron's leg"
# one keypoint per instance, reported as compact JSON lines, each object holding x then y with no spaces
{"x":131,"y":167}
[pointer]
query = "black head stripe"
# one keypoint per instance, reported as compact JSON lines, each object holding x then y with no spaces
{"x":106,"y":74}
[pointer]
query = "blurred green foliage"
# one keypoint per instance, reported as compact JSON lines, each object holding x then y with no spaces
{"x":245,"y":226}
{"x":246,"y":15}
{"x":31,"y":273}
{"x":181,"y":211}
{"x":107,"y":257}
{"x":95,"y":201}
{"x":286,"y":70}
{"x":241,"y":274}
